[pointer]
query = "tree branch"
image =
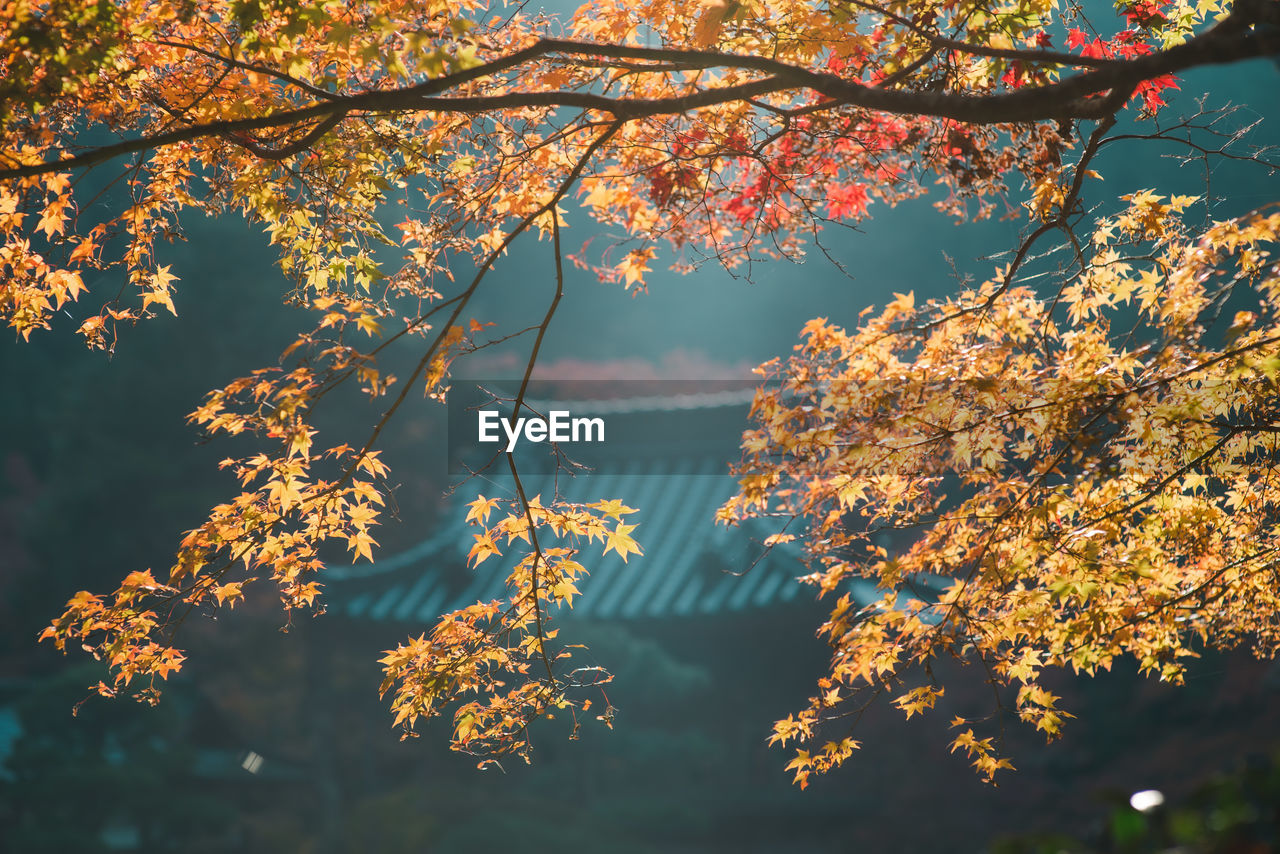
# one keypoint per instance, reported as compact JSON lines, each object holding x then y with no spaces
{"x":1232,"y":40}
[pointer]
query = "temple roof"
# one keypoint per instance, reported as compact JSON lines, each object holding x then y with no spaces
{"x":691,"y":566}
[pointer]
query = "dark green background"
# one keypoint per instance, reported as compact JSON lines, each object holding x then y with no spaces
{"x":100,"y":475}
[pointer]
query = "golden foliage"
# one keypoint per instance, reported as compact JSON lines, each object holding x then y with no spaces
{"x":1114,"y":498}
{"x":1079,"y":484}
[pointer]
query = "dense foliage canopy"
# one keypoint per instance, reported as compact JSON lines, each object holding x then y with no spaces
{"x":1088,"y":458}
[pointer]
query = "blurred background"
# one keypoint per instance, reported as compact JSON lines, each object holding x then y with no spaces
{"x":272,"y":741}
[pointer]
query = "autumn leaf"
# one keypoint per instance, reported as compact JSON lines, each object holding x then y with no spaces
{"x":228,"y":593}
{"x":620,"y":541}
{"x":613,"y":509}
{"x":480,"y":509}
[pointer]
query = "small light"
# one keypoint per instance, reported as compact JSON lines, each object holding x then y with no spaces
{"x":1146,"y":800}
{"x":253,"y":762}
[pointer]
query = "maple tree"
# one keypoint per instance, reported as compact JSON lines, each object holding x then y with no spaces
{"x":1112,"y":492}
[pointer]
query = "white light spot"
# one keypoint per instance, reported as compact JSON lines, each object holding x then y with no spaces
{"x":1146,"y":800}
{"x":253,"y":762}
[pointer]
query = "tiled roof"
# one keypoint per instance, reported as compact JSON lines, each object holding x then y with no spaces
{"x":688,"y":567}
{"x":668,"y":457}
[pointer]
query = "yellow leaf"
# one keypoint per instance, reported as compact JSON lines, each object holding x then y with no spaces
{"x":620,"y":541}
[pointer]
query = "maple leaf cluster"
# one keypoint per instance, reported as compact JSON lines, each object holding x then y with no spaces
{"x":501,"y":651}
{"x":1075,"y":484}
